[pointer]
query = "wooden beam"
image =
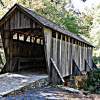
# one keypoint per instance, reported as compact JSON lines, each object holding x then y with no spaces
{"x":31,"y":39}
{"x":56,"y":45}
{"x":69,"y":54}
{"x":17,"y":36}
{"x":60,"y":54}
{"x":25,"y":37}
{"x":11,"y":53}
{"x":57,"y":70}
{"x":47,"y":47}
{"x":66,"y":65}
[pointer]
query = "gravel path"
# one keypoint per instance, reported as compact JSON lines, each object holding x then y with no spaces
{"x":10,"y":82}
{"x":50,"y":93}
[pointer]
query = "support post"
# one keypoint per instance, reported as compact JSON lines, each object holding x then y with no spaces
{"x":47,"y":48}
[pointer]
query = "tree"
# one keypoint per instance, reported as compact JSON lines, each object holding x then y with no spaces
{"x":95,"y":32}
{"x":1,"y":3}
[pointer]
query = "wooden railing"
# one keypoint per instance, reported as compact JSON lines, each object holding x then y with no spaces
{"x":27,"y":63}
{"x":54,"y":66}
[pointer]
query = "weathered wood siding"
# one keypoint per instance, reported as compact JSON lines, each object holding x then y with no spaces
{"x":20,"y":20}
{"x":63,"y":50}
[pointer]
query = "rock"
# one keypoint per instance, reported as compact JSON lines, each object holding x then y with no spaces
{"x":72,"y":90}
{"x":86,"y":92}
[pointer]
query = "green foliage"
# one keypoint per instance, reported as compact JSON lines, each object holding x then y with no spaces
{"x":57,"y":14}
{"x":95,"y":33}
{"x":92,"y":84}
{"x":70,"y":22}
{"x":97,"y":60}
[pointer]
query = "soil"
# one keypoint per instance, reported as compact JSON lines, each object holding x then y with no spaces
{"x":50,"y":93}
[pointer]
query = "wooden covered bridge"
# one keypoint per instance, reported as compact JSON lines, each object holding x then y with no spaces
{"x":32,"y":41}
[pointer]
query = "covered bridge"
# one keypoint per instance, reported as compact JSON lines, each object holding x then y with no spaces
{"x":32,"y":41}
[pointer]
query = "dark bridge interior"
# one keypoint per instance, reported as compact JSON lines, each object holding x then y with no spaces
{"x":29,"y":55}
{"x":28,"y":52}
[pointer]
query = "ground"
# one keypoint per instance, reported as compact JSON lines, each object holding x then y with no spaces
{"x":10,"y":82}
{"x":50,"y":93}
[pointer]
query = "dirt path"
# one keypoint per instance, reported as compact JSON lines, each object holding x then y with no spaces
{"x":50,"y":93}
{"x":10,"y":82}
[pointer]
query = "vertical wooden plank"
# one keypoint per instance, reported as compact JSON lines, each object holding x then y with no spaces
{"x":48,"y":35}
{"x":11,"y":67}
{"x":18,"y":19}
{"x":15,"y":21}
{"x":67,"y":56}
{"x":73,"y":51}
{"x":66,"y":62}
{"x":8,"y":46}
{"x":70,"y":55}
{"x":76,"y":52}
{"x":63,"y":56}
{"x":56,"y":47}
{"x":88,"y":54}
{"x":58,"y":52}
{"x":82,"y":56}
{"x":31,"y":39}
{"x":56,"y":59}
{"x":60,"y":55}
{"x":54,"y":56}
{"x":3,"y":56}
{"x":5,"y":36}
{"x":91,"y":56}
{"x":7,"y":24}
{"x":22,"y":20}
{"x":86,"y":51}
{"x":69,"y":67}
{"x":17,"y":45}
{"x":12,"y":21}
{"x":79,"y":56}
{"x":71,"y":44}
{"x":88,"y":59}
{"x":27,"y":22}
